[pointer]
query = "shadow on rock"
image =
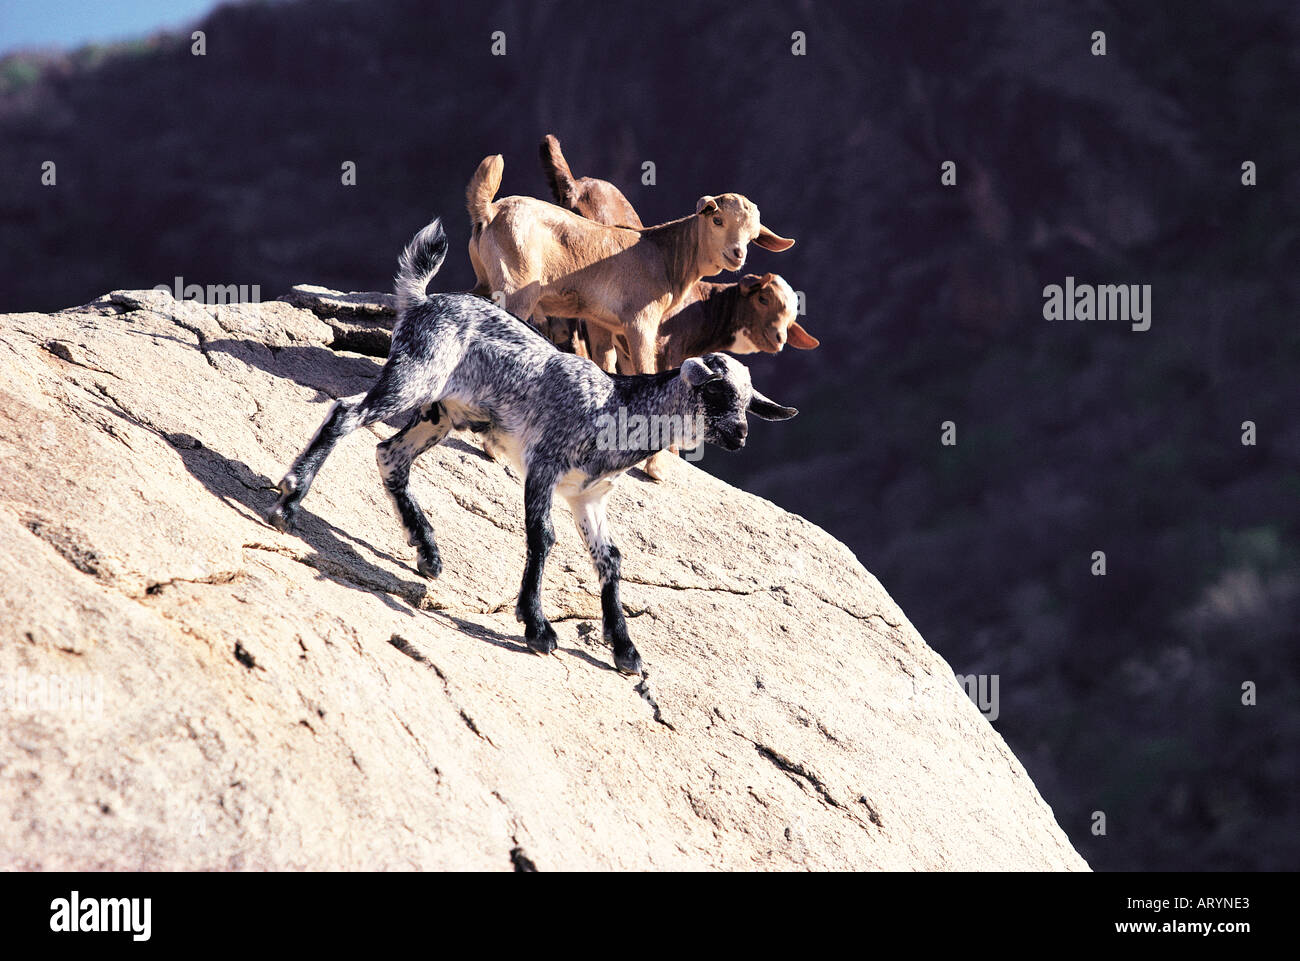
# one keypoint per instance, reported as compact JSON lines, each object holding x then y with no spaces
{"x":234,"y":481}
{"x":324,"y":370}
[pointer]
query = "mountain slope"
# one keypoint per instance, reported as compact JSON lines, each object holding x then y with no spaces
{"x":260,"y":700}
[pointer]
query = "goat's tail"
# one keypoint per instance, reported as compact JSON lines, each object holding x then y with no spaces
{"x":483,"y":186}
{"x":558,"y":174}
{"x":417,"y":265}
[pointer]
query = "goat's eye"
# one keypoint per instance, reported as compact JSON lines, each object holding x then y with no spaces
{"x":715,"y":390}
{"x":762,"y":298}
{"x":717,"y":221}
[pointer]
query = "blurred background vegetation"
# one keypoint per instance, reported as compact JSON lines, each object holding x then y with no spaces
{"x":1119,"y":693}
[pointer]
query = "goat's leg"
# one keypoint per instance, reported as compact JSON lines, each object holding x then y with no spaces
{"x":641,"y":351}
{"x":390,"y":395}
{"x":523,"y":304}
{"x":539,"y":489}
{"x":560,"y":331}
{"x":589,"y":515}
{"x":602,"y":348}
{"x":622,"y":357}
{"x":482,"y":283}
{"x":427,"y":428}
{"x":563,"y":332}
{"x":640,"y":335}
{"x":581,"y":339}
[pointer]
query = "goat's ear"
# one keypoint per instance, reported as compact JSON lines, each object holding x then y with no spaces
{"x":695,"y":372}
{"x":770,"y":241}
{"x":752,"y":282}
{"x":706,"y":205}
{"x":761,"y":406}
{"x":796,"y":336}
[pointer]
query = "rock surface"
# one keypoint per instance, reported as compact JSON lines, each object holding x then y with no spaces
{"x":233,"y":697}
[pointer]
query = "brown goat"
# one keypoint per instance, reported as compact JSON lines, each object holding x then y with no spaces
{"x":755,"y":314}
{"x":597,"y":200}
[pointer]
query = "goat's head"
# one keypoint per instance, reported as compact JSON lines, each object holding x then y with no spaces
{"x":724,"y":395}
{"x":768,"y":308}
{"x":727,"y":224}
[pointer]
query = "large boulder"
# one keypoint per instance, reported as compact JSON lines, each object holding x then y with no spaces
{"x":186,"y":687}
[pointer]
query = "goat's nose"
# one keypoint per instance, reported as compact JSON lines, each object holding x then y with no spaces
{"x":744,"y":431}
{"x":738,"y":253}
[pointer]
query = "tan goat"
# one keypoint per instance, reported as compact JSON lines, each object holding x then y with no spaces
{"x":547,"y":260}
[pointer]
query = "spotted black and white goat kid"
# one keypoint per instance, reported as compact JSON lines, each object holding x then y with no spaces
{"x":461,"y":362}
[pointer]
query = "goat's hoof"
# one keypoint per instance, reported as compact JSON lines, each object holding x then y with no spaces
{"x":543,"y":641}
{"x":281,"y":517}
{"x":629,"y":663}
{"x":655,"y":466}
{"x":430,"y":566}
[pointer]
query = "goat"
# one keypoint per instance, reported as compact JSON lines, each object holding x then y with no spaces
{"x":756,"y":314}
{"x":548,"y":260}
{"x":461,"y":362}
{"x":752,"y":315}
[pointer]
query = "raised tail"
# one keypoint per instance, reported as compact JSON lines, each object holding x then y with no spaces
{"x":483,"y":186}
{"x":557,"y":171}
{"x":417,"y":265}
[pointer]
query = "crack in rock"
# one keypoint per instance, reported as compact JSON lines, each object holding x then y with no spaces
{"x":66,"y":545}
{"x":643,"y":688}
{"x":62,"y":350}
{"x":142,"y":422}
{"x":522,"y":862}
{"x":794,"y":770}
{"x":750,"y":592}
{"x":417,"y":596}
{"x":411,"y":651}
{"x":872,"y":814}
{"x":799,"y":774}
{"x":854,"y":614}
{"x":472,"y":508}
{"x":157,"y":587}
{"x":202,"y":338}
{"x":715,"y":588}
